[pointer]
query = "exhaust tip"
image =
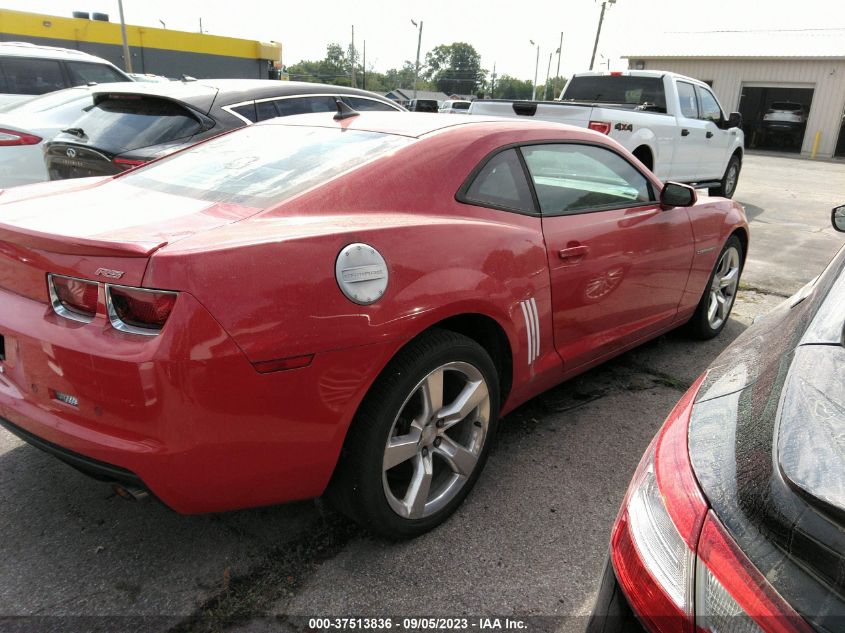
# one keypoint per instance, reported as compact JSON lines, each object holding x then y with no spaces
{"x":130,"y":493}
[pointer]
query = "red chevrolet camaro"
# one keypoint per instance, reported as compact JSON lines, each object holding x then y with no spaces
{"x":340,"y":305}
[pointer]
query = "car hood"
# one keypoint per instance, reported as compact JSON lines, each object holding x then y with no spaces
{"x":766,"y":445}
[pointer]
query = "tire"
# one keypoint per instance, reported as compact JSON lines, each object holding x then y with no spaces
{"x":727,"y":186}
{"x":704,"y":324}
{"x":383,"y":499}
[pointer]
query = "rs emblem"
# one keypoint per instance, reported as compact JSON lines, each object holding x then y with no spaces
{"x":108,"y":272}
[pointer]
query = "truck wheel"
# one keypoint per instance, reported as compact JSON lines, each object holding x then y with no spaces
{"x":729,"y":181}
{"x":420,"y":438}
{"x":716,"y":303}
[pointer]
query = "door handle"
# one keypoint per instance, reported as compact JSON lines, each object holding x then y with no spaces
{"x":709,"y":135}
{"x":573,"y":254}
{"x":685,"y":132}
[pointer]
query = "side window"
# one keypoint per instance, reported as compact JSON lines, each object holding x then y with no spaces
{"x":305,"y":105}
{"x":361,"y":104}
{"x":501,"y":183}
{"x":686,"y":95}
{"x":32,"y":76}
{"x":247,"y":111}
{"x":82,"y":74}
{"x":265,"y":110}
{"x":710,"y":110}
{"x":571,"y":178}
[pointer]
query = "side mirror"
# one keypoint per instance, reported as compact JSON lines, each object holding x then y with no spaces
{"x":837,"y":218}
{"x":734,"y":120}
{"x":675,"y":194}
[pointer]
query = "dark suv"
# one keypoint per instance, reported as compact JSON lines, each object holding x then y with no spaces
{"x":132,"y":123}
{"x":423,"y":105}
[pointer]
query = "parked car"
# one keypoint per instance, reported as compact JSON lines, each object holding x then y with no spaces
{"x":423,"y":105}
{"x":131,"y":124}
{"x":785,"y":120}
{"x":451,"y":106}
{"x":673,"y":124}
{"x":294,"y":308}
{"x":734,"y":518}
{"x":26,"y":125}
{"x":27,"y":70}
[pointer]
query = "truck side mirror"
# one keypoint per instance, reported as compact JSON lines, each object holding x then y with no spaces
{"x":675,"y":194}
{"x":837,"y":218}
{"x":734,"y":120}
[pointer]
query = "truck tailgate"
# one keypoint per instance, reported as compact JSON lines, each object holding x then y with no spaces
{"x":568,"y":113}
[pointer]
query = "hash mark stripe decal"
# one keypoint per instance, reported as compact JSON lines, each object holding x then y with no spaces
{"x":527,"y":329}
{"x":536,"y":329}
{"x":533,"y":330}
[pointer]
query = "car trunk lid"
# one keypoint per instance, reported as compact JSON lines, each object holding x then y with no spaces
{"x":97,"y":229}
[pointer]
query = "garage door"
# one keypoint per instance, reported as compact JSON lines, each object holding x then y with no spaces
{"x":775,"y":117}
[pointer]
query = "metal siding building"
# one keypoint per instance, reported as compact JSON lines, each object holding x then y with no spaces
{"x":779,"y":62}
{"x":153,"y":50}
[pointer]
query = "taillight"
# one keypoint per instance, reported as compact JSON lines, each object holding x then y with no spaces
{"x":653,"y":542}
{"x":600,"y":126}
{"x":728,"y":589}
{"x":73,"y":298}
{"x":678,"y":567}
{"x":127,"y":163}
{"x":138,"y":310}
{"x":9,"y":138}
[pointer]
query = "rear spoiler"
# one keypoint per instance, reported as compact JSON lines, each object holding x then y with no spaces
{"x":65,"y":245}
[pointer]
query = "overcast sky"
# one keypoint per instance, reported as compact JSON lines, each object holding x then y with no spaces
{"x":499,"y":30}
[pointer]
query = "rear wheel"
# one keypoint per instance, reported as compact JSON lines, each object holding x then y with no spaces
{"x":420,"y":438}
{"x":716,"y":303}
{"x":727,"y":186}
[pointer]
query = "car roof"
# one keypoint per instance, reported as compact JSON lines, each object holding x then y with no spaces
{"x":203,"y":93}
{"x":25,"y":49}
{"x":412,"y":124}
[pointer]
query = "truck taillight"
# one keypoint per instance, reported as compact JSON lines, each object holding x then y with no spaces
{"x":138,"y":310}
{"x":9,"y":138}
{"x":675,"y":562}
{"x":72,"y":298}
{"x":600,"y":126}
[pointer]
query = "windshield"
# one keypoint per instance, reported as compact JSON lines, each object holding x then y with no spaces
{"x":617,"y":89}
{"x":461,"y":105}
{"x":785,"y":105}
{"x":261,"y":165}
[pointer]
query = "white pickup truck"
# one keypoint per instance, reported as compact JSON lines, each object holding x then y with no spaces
{"x":673,"y":124}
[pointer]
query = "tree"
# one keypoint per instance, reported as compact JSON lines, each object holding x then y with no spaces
{"x":333,"y":69}
{"x":508,"y":87}
{"x":455,"y":68}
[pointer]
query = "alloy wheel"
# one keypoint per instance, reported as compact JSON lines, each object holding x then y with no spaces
{"x":723,"y":288}
{"x":436,"y":440}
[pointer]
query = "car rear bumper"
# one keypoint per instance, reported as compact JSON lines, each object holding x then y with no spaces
{"x":184,"y":412}
{"x":782,"y":126}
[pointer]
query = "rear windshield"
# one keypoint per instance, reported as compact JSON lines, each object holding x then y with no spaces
{"x":261,"y":165}
{"x":785,"y":105}
{"x":461,"y":105}
{"x":619,"y":89}
{"x":124,"y":123}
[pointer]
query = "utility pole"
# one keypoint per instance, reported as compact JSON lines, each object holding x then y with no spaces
{"x":557,"y":74}
{"x":417,"y":64}
{"x":536,"y":65}
{"x":127,"y":58}
{"x":598,"y":30}
{"x":352,"y":58}
{"x":200,"y":25}
{"x":364,"y":68}
{"x":548,"y":70}
{"x":493,"y":82}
